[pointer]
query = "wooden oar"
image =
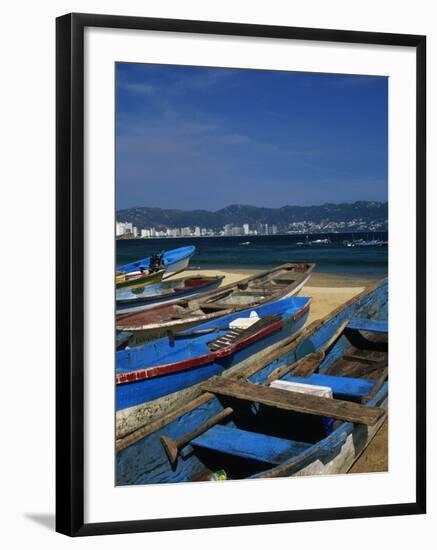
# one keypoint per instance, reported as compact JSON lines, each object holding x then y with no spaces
{"x":172,"y":446}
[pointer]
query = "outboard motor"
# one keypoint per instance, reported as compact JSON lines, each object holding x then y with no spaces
{"x":156,"y":263}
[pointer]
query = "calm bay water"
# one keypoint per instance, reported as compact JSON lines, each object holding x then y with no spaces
{"x":268,"y":251}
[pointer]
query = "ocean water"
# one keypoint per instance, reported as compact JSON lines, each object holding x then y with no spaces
{"x":265,"y":252}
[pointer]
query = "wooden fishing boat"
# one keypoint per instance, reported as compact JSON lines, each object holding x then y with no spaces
{"x":138,"y":278}
{"x":172,"y":261}
{"x":309,"y":408}
{"x":184,"y":359}
{"x":275,"y":284}
{"x":166,"y":292}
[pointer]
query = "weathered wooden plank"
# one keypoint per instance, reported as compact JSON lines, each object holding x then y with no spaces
{"x":359,"y":358}
{"x":309,"y":364}
{"x":255,"y":446}
{"x":305,"y":366}
{"x":293,"y":401}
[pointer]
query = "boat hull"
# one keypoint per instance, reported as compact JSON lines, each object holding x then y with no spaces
{"x":177,"y":267}
{"x":344,"y":455}
{"x":130,"y":306}
{"x":201,"y":368}
{"x":141,"y":458}
{"x":146,"y":280}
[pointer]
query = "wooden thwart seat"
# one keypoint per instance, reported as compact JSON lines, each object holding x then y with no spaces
{"x":293,"y":401}
{"x":255,"y":446}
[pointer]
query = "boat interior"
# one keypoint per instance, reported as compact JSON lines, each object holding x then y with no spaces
{"x":250,"y":292}
{"x":265,"y":434}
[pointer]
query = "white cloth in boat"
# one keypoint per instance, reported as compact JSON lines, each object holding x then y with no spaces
{"x":312,"y":389}
{"x":245,"y":322}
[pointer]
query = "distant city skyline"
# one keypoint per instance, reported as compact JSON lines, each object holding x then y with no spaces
{"x":203,"y":138}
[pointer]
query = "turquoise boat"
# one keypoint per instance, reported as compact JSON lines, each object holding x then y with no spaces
{"x":172,"y":261}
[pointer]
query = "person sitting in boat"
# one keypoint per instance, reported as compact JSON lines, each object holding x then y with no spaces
{"x":156,"y":263}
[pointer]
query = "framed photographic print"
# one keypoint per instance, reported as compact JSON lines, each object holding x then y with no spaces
{"x":240,"y":234}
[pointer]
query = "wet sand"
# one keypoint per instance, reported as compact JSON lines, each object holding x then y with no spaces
{"x":329,"y":291}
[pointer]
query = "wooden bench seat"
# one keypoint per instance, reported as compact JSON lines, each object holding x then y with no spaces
{"x":293,"y":401}
{"x":255,"y":446}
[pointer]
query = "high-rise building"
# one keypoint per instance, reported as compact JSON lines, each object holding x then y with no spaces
{"x":246,"y":228}
{"x":197,"y":232}
{"x":119,"y":229}
{"x":227,"y":230}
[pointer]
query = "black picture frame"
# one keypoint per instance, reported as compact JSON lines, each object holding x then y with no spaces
{"x":70,"y":273}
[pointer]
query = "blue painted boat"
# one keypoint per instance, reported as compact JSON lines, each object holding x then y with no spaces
{"x":248,"y":427}
{"x":187,"y":358}
{"x":173,"y":261}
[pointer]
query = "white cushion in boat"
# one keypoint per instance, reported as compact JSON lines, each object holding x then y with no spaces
{"x":245,"y":322}
{"x":312,"y":389}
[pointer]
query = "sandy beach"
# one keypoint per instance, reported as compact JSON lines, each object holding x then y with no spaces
{"x":329,"y":291}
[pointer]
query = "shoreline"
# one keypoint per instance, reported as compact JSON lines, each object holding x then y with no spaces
{"x":318,"y":279}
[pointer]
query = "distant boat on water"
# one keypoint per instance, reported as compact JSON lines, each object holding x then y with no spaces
{"x":316,"y":242}
{"x":362,"y":243}
{"x":321,"y":241}
{"x":245,"y":243}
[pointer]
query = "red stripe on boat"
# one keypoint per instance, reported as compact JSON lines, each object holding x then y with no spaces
{"x":302,"y":311}
{"x":151,"y":372}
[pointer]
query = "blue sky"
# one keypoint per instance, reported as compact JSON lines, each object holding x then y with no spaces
{"x":194,"y":137}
